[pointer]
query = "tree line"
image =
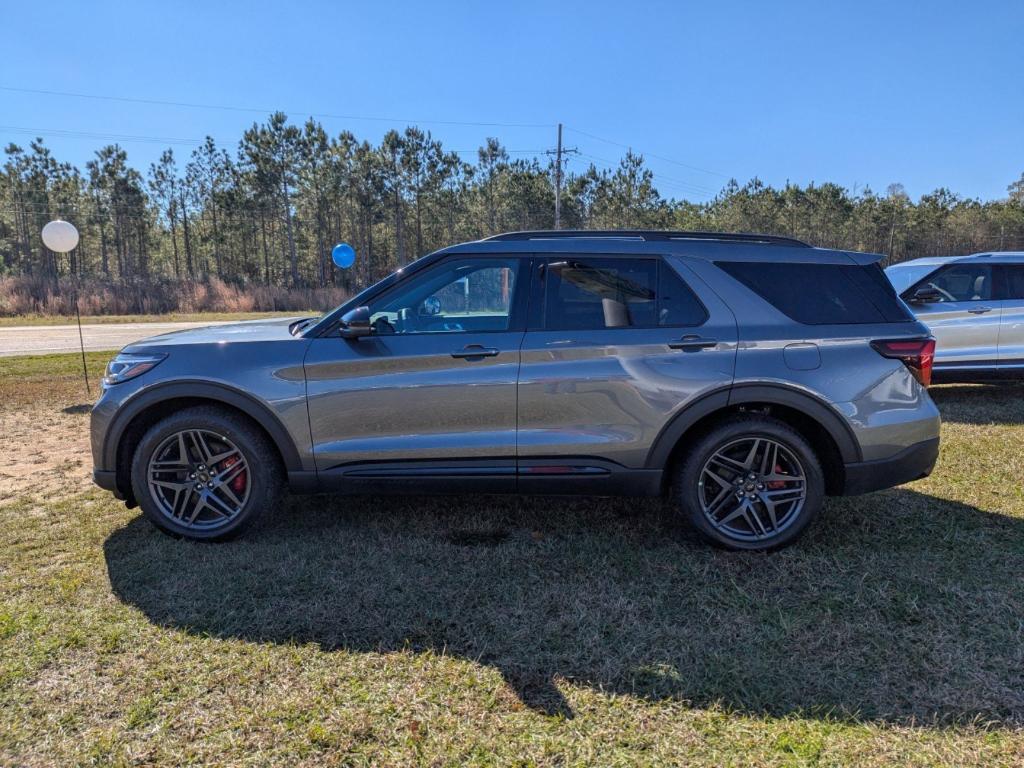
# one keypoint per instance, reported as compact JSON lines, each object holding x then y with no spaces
{"x":269,"y":212}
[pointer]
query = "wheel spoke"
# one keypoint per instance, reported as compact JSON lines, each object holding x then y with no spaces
{"x":748,"y":463}
{"x":224,"y":455}
{"x":778,"y":495}
{"x":170,"y":485}
{"x":770,"y":459}
{"x":200,"y":445}
{"x":769,"y":506}
{"x":727,"y":462}
{"x":199,"y":505}
{"x":219,"y":506}
{"x":718,"y":503}
{"x":231,"y":495}
{"x":723,"y":482}
{"x":752,"y":508}
{"x":229,"y":474}
{"x":740,"y":511}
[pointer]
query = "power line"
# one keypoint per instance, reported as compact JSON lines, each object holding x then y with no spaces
{"x":262,"y":110}
{"x":69,"y":134}
{"x":649,"y":154}
{"x":661,"y":178}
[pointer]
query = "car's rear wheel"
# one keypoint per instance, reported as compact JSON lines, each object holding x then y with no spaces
{"x":751,"y":483}
{"x":205,"y":474}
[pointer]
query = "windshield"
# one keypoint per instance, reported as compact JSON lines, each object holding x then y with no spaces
{"x":902,"y":276}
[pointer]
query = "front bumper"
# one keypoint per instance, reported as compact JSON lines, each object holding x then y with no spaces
{"x":107,"y":480}
{"x":912,"y":463}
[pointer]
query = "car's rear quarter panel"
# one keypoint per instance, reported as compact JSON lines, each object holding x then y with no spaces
{"x":884,"y":404}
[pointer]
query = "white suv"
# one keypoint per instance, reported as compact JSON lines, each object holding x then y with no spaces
{"x":974,"y":306}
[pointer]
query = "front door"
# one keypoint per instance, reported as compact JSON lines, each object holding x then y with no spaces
{"x":965,"y":319}
{"x":431,"y":393}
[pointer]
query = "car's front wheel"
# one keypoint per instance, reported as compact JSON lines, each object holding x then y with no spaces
{"x":751,"y":482}
{"x":205,"y":474}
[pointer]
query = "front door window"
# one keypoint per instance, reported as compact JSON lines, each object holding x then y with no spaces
{"x":469,"y":295}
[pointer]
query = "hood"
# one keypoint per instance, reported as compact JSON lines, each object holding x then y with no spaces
{"x":226,"y":333}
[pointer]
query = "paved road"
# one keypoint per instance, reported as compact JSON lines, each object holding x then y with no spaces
{"x":47,"y":339}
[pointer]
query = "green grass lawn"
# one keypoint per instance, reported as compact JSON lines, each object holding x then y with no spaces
{"x":178,"y":317}
{"x":372,"y":631}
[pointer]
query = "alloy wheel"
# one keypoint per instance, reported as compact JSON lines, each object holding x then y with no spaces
{"x":752,"y":489}
{"x":199,"y":479}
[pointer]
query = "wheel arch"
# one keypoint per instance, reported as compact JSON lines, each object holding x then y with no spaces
{"x":140,"y":413}
{"x":827,"y":431}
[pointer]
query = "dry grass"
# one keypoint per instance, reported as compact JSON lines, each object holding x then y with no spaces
{"x":173,"y":317}
{"x":27,"y":295}
{"x":548,"y":632}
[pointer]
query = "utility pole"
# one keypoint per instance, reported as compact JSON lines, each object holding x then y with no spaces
{"x":558,"y":152}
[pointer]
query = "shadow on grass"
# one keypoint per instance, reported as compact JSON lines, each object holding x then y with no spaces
{"x":995,"y":403}
{"x":895,"y":607}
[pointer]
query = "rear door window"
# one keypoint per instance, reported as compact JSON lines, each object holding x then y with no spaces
{"x":583,"y":293}
{"x":1013,"y":281}
{"x":822,"y":294}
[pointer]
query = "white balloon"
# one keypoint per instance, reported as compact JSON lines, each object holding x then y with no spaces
{"x":60,"y":236}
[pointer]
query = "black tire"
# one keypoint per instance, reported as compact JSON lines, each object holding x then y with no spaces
{"x":221,"y":430}
{"x":739,"y":433}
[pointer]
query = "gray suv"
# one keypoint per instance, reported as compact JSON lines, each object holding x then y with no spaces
{"x":974,"y":306}
{"x":745,"y":376}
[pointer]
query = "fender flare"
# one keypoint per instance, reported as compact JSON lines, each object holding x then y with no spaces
{"x":203,"y":390}
{"x":774,"y":394}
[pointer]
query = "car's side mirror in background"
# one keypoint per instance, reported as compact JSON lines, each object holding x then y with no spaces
{"x":356,"y":323}
{"x":925,"y":296}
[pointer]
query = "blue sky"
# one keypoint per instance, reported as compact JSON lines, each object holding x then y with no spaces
{"x":859,"y":93}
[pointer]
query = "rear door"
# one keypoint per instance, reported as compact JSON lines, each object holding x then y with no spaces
{"x":431,"y":393}
{"x":616,"y":346}
{"x":1011,"y":321}
{"x":965,"y":321}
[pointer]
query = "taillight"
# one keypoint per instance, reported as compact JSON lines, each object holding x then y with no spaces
{"x":917,"y":354}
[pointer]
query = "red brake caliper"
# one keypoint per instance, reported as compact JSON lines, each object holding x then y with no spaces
{"x":238,"y":482}
{"x":776,"y":484}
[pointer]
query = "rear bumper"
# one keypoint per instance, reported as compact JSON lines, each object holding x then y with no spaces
{"x":912,"y":463}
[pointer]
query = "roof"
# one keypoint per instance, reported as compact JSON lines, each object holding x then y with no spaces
{"x":1011,"y":257}
{"x":709,"y":246}
{"x":648,"y":235}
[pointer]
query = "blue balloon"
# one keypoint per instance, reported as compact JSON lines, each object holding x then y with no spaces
{"x":343,"y":255}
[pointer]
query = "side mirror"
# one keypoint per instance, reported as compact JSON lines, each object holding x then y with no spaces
{"x":925,"y":296}
{"x":356,"y":323}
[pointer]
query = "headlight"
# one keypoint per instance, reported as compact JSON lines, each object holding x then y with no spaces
{"x":126,"y":366}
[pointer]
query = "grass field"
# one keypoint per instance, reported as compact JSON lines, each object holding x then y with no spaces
{"x":178,"y":317}
{"x":363,"y":631}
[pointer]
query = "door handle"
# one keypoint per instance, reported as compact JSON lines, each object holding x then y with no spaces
{"x":475,"y":350}
{"x":980,"y":310}
{"x":692,"y":342}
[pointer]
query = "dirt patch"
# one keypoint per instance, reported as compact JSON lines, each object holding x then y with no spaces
{"x":46,"y":451}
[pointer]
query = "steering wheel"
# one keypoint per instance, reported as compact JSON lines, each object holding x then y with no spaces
{"x":949,"y":296}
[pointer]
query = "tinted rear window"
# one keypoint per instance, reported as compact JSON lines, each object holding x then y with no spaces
{"x":822,"y":294}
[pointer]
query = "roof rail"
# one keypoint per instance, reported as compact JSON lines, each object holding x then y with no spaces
{"x":648,"y":235}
